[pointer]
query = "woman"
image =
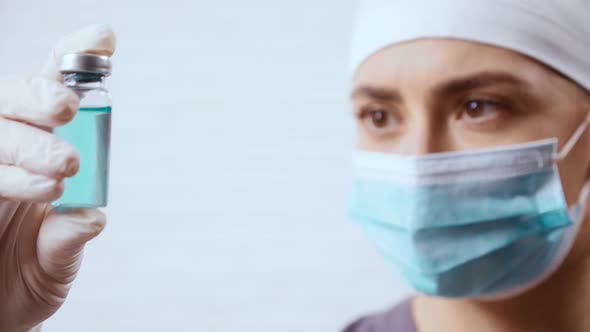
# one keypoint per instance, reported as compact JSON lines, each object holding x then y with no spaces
{"x":473,"y":155}
{"x":482,"y":225}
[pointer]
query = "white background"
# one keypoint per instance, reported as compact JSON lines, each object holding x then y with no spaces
{"x":231,"y":139}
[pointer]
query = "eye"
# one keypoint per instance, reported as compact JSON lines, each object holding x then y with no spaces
{"x":379,"y":121}
{"x":478,"y":111}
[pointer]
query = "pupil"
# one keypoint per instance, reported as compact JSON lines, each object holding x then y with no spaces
{"x":379,"y":119}
{"x":474,"y":109}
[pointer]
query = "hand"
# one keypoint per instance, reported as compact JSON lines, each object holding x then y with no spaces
{"x":40,"y":248}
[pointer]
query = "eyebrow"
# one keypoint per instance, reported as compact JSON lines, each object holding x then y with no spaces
{"x":454,"y":86}
{"x":478,"y":81}
{"x":374,"y":92}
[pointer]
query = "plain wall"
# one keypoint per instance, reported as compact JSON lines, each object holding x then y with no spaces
{"x":230,"y":160}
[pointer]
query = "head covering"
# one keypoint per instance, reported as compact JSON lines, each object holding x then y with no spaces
{"x":555,"y":32}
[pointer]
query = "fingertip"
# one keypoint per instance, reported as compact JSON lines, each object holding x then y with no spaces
{"x":42,"y":189}
{"x":62,"y":237}
{"x":106,"y":38}
{"x":70,"y":167}
{"x":66,"y":106}
{"x":51,"y":189}
{"x":87,"y":223}
{"x":58,"y":103}
{"x":58,"y":189}
{"x":49,"y":103}
{"x":98,"y":222}
{"x":73,"y":165}
{"x":68,"y":159}
{"x":94,"y":38}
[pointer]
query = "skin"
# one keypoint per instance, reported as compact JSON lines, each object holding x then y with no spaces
{"x":413,"y":98}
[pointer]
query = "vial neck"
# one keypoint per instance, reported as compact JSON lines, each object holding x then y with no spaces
{"x":84,"y":81}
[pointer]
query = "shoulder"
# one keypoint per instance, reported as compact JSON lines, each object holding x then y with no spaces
{"x":397,"y":319}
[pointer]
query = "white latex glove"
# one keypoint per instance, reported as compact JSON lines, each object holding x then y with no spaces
{"x":41,"y":249}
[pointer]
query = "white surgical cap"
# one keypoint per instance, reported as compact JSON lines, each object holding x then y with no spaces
{"x":555,"y":32}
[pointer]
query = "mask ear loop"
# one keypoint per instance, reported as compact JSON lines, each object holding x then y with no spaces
{"x":571,"y":142}
{"x":584,"y":194}
{"x":569,"y":145}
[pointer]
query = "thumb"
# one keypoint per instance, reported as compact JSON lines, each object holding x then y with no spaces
{"x":62,"y":237}
{"x":96,"y":39}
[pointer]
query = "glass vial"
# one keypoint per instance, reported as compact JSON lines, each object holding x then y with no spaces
{"x":89,"y":131}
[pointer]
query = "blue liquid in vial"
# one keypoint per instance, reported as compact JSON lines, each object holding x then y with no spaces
{"x":89,"y":133}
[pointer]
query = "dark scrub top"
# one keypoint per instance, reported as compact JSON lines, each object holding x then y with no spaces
{"x":398,"y":319}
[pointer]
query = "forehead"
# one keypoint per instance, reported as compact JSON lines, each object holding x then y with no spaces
{"x":430,"y":60}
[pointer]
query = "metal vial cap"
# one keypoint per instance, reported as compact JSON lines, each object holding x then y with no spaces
{"x":85,"y":63}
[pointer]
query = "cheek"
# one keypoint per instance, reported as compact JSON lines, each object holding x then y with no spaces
{"x":365,"y":141}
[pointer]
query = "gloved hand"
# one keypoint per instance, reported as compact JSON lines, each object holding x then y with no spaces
{"x":41,"y":249}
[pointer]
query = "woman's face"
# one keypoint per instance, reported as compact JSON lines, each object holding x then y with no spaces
{"x":436,"y":95}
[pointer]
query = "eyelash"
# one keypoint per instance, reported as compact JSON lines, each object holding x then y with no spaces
{"x":366,"y":111}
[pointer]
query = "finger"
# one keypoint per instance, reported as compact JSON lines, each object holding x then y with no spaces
{"x":20,"y":185}
{"x":62,"y":237}
{"x":36,"y":151}
{"x":39,"y":101}
{"x":96,"y":39}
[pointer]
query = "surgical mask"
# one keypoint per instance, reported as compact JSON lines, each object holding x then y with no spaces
{"x":478,"y":224}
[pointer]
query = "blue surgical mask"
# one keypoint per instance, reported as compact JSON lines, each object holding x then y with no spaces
{"x":476,"y":224}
